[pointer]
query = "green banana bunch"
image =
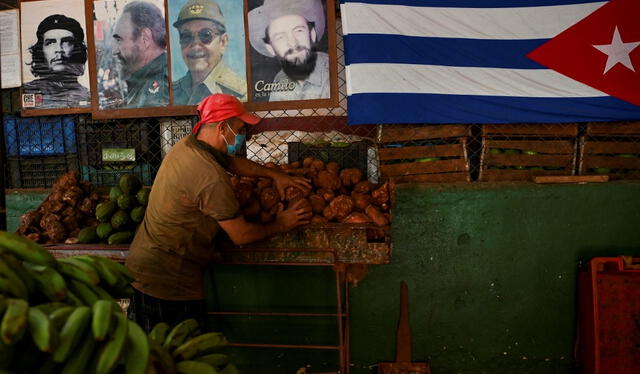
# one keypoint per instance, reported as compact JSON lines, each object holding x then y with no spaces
{"x":60,"y":315}
{"x":26,"y":250}
{"x":82,"y":291}
{"x":101,"y":321}
{"x":79,"y":361}
{"x":82,"y":273}
{"x":194,"y":367}
{"x":42,"y":329}
{"x":112,"y":350}
{"x":71,"y":332}
{"x":14,"y":321}
{"x":180,"y":333}
{"x":230,"y":369}
{"x":217,"y":360}
{"x":13,"y":284}
{"x":48,"y":281}
{"x":200,"y":345}
{"x":159,"y":332}
{"x":138,"y":353}
{"x":161,"y":357}
{"x":112,"y":274}
{"x":16,"y":265}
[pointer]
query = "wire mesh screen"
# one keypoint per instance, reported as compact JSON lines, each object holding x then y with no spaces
{"x":41,"y":149}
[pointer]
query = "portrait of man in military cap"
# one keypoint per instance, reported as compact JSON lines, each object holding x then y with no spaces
{"x":131,"y":54}
{"x":54,"y":55}
{"x":208,"y":50}
{"x":288,"y":54}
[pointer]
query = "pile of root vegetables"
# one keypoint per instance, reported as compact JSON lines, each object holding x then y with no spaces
{"x":70,"y":207}
{"x":337,"y":195}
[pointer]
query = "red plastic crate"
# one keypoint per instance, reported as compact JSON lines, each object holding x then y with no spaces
{"x":609,"y":316}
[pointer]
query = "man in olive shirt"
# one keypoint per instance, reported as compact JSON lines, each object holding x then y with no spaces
{"x":203,"y":41}
{"x":140,"y":43}
{"x":191,"y":200}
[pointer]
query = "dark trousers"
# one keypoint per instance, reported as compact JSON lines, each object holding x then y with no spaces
{"x":147,"y":311}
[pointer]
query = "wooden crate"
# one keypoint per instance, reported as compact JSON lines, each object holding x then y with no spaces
{"x":612,"y":149}
{"x":424,"y":153}
{"x":521,"y":151}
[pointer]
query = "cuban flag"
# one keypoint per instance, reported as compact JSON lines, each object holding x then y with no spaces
{"x":491,"y":61}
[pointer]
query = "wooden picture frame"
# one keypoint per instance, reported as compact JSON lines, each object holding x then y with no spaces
{"x":56,"y":78}
{"x":107,"y":77}
{"x":263,"y":65}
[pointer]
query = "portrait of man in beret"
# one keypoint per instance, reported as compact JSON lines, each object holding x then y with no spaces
{"x":57,"y":60}
{"x":288,"y":34}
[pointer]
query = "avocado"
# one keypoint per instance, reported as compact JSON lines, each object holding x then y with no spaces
{"x":105,"y":210}
{"x":114,"y":193}
{"x":87,"y":235}
{"x":130,"y":184}
{"x":119,"y":219}
{"x":137,"y":214}
{"x":143,"y":196}
{"x":104,"y":230}
{"x":126,"y":202}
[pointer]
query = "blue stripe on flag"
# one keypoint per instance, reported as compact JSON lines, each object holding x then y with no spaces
{"x":472,"y":3}
{"x":380,"y":48}
{"x":376,"y":108}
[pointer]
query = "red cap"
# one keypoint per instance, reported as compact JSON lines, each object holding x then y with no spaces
{"x":218,"y":107}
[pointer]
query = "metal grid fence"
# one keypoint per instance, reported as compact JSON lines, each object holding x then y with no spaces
{"x":37,"y":154}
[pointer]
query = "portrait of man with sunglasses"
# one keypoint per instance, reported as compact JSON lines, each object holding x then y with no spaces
{"x":203,"y":40}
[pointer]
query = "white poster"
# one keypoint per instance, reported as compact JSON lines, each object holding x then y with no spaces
{"x":54,"y":54}
{"x":10,"y":48}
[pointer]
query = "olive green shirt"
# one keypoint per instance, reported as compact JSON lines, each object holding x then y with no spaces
{"x":149,"y":86}
{"x":221,"y":80}
{"x":175,"y":241}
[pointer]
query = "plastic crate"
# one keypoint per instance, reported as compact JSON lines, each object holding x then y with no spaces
{"x":110,"y":175}
{"x":41,"y":136}
{"x":141,"y":137}
{"x":353,"y":155}
{"x":38,"y":172}
{"x":608,"y":316}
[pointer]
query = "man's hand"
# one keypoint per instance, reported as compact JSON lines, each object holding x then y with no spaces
{"x":282,"y":181}
{"x":298,"y":214}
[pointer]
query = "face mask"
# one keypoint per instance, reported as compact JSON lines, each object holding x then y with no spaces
{"x":237,"y":144}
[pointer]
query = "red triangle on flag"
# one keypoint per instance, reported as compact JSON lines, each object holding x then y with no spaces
{"x":602,"y":50}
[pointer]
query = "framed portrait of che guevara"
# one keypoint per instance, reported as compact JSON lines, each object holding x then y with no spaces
{"x":207,"y":49}
{"x":55,"y":68}
{"x":292,"y":54}
{"x":130,"y":55}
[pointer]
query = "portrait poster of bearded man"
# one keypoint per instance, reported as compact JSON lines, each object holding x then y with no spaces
{"x":289,"y":59}
{"x":54,"y":55}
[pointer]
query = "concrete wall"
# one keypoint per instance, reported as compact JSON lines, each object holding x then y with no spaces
{"x":491,"y":271}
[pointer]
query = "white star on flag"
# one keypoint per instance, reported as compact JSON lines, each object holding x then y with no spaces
{"x":617,"y":52}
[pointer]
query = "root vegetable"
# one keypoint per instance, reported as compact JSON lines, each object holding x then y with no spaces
{"x":376,"y":216}
{"x":306,"y":163}
{"x":361,"y":201}
{"x":363,"y":187}
{"x":327,"y":180}
{"x":317,"y":164}
{"x":318,"y":219}
{"x":327,"y":195}
{"x":357,"y":217}
{"x":333,"y":167}
{"x":341,"y":207}
{"x":296,"y":164}
{"x":350,"y":177}
{"x":380,"y":195}
{"x":269,"y":197}
{"x":317,"y":203}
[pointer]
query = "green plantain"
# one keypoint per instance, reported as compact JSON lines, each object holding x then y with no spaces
{"x":200,"y":345}
{"x":71,"y":332}
{"x":42,"y":329}
{"x":101,"y":321}
{"x":112,"y":350}
{"x":179,"y":333}
{"x":194,"y":367}
{"x":138,"y":350}
{"x":159,"y":332}
{"x":14,"y":321}
{"x":26,"y":250}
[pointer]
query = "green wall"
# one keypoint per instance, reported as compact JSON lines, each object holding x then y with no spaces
{"x":491,"y":270}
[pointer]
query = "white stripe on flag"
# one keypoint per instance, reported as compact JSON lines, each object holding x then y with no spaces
{"x":475,"y":23}
{"x":410,"y":78}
